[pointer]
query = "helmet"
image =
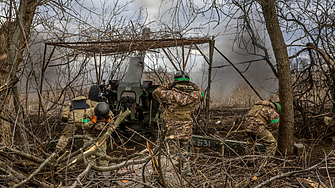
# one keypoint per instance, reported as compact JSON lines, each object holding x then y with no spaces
{"x":278,"y":107}
{"x":101,"y":109}
{"x":181,"y":76}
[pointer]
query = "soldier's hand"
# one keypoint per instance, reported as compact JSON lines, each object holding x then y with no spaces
{"x":64,"y":118}
{"x":99,"y":126}
{"x":171,"y":85}
{"x":87,"y":126}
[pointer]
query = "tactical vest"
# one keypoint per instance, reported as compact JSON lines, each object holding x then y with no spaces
{"x":254,"y":112}
{"x":181,"y":113}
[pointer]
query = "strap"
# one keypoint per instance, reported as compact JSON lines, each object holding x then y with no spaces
{"x":254,"y":111}
{"x":262,"y":119}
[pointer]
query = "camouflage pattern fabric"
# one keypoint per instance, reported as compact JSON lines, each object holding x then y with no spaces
{"x":178,"y":108}
{"x":182,"y":130}
{"x":74,"y":120}
{"x":266,"y":138}
{"x":93,"y":130}
{"x":256,"y":126}
{"x":67,"y":113}
{"x":179,"y":100}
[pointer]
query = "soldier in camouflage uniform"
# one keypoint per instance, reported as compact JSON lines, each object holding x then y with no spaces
{"x":260,"y":116}
{"x":73,"y":114}
{"x":94,"y":122}
{"x":179,"y":100}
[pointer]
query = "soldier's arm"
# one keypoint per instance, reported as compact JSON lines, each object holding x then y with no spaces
{"x":157,"y":94}
{"x":88,"y":120}
{"x":198,"y":93}
{"x":65,"y":113}
{"x":273,"y":118}
{"x":198,"y":96}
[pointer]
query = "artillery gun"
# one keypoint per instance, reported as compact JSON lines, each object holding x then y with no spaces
{"x":131,"y":93}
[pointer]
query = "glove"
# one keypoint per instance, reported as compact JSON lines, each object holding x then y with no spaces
{"x":87,"y":126}
{"x":99,"y":126}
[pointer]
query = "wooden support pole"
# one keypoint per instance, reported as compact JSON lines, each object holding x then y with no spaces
{"x":211,"y":53}
{"x":167,"y":55}
{"x":188,"y":54}
{"x":206,"y":59}
{"x":183,"y":54}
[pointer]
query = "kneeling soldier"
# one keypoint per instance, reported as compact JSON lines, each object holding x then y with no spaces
{"x":260,"y":116}
{"x":94,"y":122}
{"x":73,"y":114}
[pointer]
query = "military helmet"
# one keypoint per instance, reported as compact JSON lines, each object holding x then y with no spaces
{"x":101,"y":109}
{"x":181,"y":76}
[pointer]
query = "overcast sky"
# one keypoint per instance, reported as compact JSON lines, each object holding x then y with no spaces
{"x":259,"y":74}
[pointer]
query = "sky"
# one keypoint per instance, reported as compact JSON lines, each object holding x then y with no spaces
{"x":226,"y":79}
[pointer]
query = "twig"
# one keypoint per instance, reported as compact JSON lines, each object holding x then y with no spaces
{"x":121,"y":165}
{"x":93,"y":149}
{"x":293,"y":172}
{"x":206,"y":178}
{"x":145,"y":184}
{"x":80,"y":176}
{"x":36,"y":171}
{"x":24,"y":155}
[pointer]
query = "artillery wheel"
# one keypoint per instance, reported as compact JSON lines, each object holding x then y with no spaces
{"x":93,"y":94}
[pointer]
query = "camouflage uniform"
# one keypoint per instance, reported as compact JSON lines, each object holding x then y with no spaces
{"x":73,"y":114}
{"x":261,"y":115}
{"x":180,"y":100}
{"x":93,"y":130}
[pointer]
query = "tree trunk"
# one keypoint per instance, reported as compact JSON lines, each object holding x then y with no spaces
{"x":286,"y":128}
{"x":19,"y":41}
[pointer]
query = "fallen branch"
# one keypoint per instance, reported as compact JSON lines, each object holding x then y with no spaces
{"x":293,"y":172}
{"x":36,"y":171}
{"x":128,"y":179}
{"x":20,"y":176}
{"x":80,"y":176}
{"x":121,"y":165}
{"x":93,"y":149}
{"x":24,"y":155}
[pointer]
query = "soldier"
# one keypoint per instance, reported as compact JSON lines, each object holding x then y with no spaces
{"x":260,"y":116}
{"x":94,"y":122}
{"x":73,"y":114}
{"x":179,"y":100}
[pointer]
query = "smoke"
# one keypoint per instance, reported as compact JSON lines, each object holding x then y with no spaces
{"x":226,"y":79}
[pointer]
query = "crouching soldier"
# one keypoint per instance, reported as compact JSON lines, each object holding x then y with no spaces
{"x":179,"y":100}
{"x":260,"y":116}
{"x":73,"y":114}
{"x":95,"y":120}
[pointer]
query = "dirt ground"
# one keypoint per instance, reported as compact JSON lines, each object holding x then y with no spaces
{"x":211,"y":167}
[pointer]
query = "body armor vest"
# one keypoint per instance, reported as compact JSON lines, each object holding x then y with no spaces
{"x":181,"y":113}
